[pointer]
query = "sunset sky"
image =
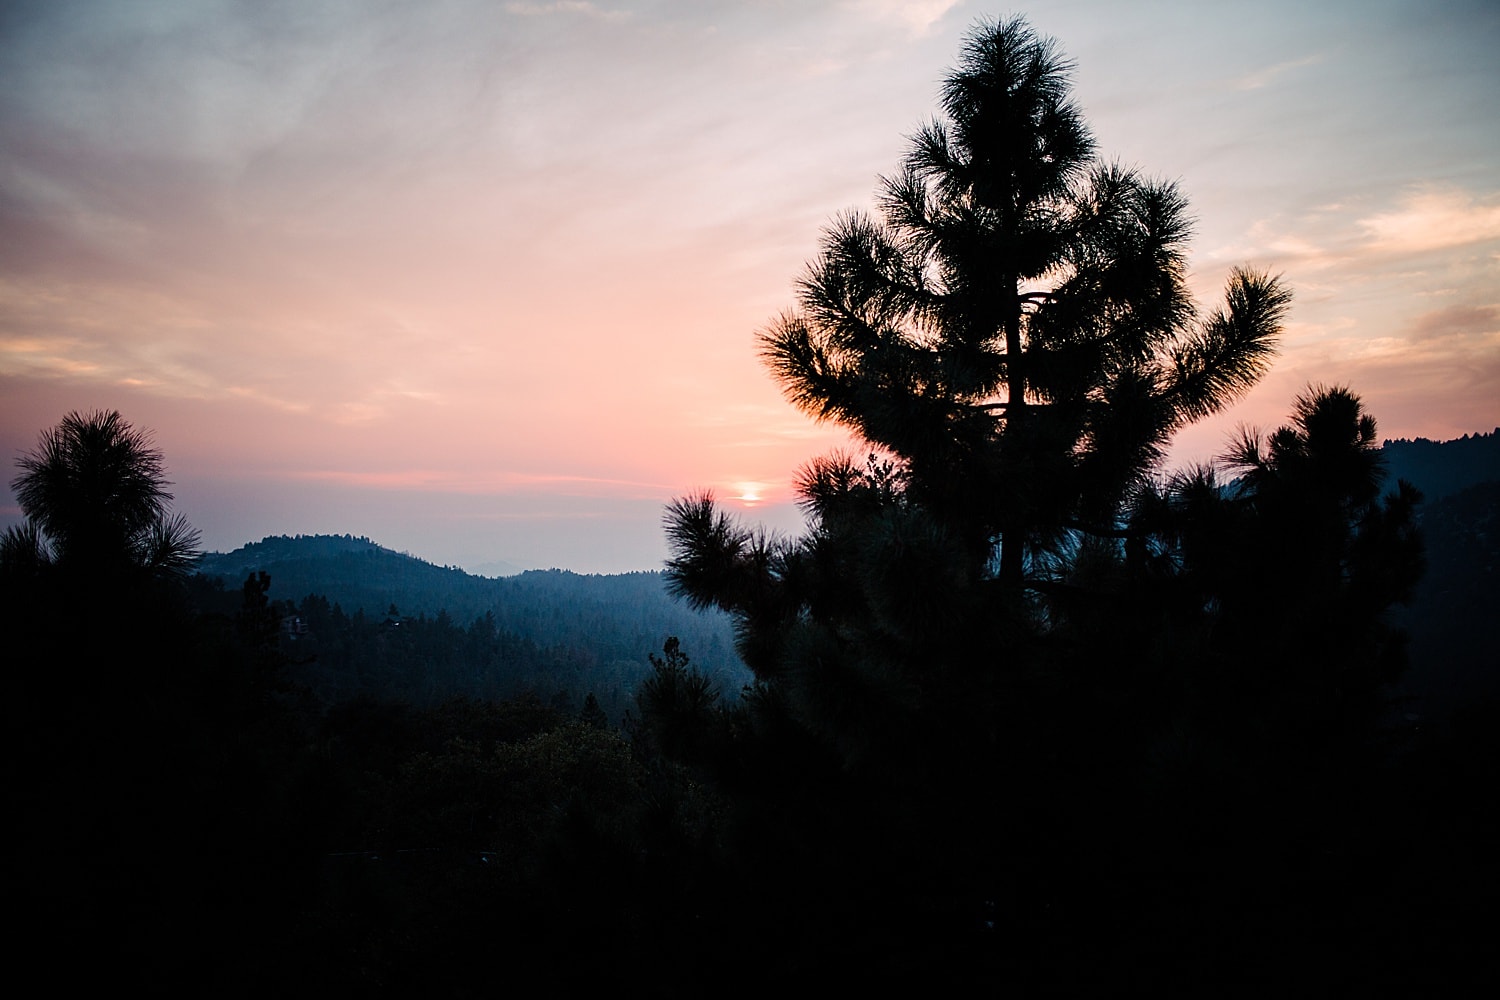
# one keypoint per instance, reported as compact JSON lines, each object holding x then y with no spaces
{"x":481,"y":279}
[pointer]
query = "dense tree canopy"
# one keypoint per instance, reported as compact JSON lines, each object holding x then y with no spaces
{"x":1015,"y":326}
{"x":1299,"y":559}
{"x":1014,"y":339}
{"x":1008,"y":626}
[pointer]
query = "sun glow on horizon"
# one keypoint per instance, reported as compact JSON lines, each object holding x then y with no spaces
{"x":749,"y":494}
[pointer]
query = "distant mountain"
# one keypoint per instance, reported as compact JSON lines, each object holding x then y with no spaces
{"x":1442,"y":468}
{"x":1455,"y":636}
{"x":355,"y":572}
{"x":608,"y":619}
{"x":498,"y":568}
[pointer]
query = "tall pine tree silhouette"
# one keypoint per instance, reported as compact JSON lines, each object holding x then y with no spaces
{"x":1013,"y":337}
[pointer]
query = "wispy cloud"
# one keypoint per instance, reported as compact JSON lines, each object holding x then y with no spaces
{"x":1457,"y":322}
{"x":917,"y":16}
{"x":1366,"y":276}
{"x":1434,"y":219}
{"x":482,"y":481}
{"x":577,"y":7}
{"x":43,"y":358}
{"x":257,"y":395}
{"x":1422,"y":219}
{"x":1266,"y":76}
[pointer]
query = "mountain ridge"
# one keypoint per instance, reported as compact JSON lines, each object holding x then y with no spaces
{"x":613,"y":618}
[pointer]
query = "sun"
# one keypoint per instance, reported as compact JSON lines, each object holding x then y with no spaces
{"x":749,"y":494}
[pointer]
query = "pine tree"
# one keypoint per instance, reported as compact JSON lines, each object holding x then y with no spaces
{"x":1013,"y":338}
{"x":1015,"y":328}
{"x":95,"y":496}
{"x":1012,"y":668}
{"x":1298,"y":558}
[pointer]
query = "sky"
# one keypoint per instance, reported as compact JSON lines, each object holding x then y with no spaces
{"x":481,"y":280}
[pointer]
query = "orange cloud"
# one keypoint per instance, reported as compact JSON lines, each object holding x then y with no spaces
{"x":1433,"y":220}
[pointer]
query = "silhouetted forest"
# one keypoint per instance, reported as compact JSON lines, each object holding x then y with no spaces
{"x":359,"y":620}
{"x":1021,"y":709}
{"x":1441,"y":468}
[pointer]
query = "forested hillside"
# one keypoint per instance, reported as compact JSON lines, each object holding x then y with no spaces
{"x":1453,"y":632}
{"x":1452,"y":623}
{"x":363,"y":620}
{"x":1441,"y":468}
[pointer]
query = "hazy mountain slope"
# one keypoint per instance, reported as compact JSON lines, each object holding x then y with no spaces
{"x":612,"y":618}
{"x":1455,"y":634}
{"x":1443,"y":468}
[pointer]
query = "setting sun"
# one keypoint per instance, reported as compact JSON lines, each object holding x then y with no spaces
{"x":749,"y":494}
